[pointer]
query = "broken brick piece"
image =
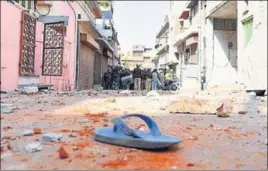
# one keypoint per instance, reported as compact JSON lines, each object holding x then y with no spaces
{"x":62,"y":153}
{"x":37,"y":131}
{"x":225,"y":109}
{"x":65,"y":130}
{"x":5,"y":128}
{"x":9,"y":147}
{"x":7,"y":137}
{"x":190,"y":165}
{"x":242,"y":112}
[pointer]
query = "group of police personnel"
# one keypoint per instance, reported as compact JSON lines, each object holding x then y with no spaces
{"x":141,"y":77}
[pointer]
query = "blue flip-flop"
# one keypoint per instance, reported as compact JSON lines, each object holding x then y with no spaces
{"x":121,"y":134}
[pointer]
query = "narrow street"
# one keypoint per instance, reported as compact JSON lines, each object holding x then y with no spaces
{"x":209,"y":141}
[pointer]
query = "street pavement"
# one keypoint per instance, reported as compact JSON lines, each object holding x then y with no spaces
{"x":209,"y":142}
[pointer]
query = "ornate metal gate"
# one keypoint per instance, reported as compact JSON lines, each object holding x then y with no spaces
{"x":53,"y":49}
{"x":28,"y":29}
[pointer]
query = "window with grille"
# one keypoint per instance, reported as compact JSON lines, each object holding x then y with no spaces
{"x":224,"y":24}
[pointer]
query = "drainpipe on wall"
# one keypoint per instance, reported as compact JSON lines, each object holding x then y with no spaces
{"x":77,"y":57}
{"x":199,"y":44}
{"x":75,"y":42}
{"x":204,"y":79}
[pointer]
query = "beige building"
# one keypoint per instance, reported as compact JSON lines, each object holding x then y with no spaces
{"x":139,"y":55}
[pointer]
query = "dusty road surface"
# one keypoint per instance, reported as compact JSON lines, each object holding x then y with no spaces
{"x":209,"y":141}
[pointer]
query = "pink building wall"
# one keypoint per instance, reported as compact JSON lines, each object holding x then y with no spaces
{"x":10,"y":45}
{"x":67,"y":80}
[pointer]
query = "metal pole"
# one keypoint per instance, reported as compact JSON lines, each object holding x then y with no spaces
{"x":166,"y":49}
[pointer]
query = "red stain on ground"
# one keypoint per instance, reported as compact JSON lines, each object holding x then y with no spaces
{"x":79,"y":155}
{"x":24,"y":159}
{"x":146,"y":160}
{"x":115,"y":164}
{"x":236,"y":134}
{"x":1,"y":149}
{"x":65,"y":130}
{"x":82,"y":144}
{"x":7,"y":137}
{"x":95,"y":117}
{"x":85,"y":132}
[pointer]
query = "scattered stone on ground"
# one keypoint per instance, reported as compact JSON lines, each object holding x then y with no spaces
{"x":37,"y":131}
{"x":52,"y":137}
{"x":30,"y":89}
{"x":225,"y":109}
{"x":6,"y":108}
{"x":62,"y":153}
{"x":242,"y":112}
{"x":125,"y":92}
{"x":73,"y":135}
{"x":110,"y":100}
{"x":33,"y":147}
{"x":193,"y":106}
{"x":190,"y":164}
{"x":200,"y":134}
{"x":28,"y":132}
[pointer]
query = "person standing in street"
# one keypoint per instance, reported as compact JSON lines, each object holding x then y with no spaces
{"x":154,"y":80}
{"x":137,"y":78}
{"x":148,"y":80}
{"x":107,"y":79}
{"x":143,"y":79}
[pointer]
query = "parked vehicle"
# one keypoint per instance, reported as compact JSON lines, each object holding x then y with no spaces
{"x":173,"y":85}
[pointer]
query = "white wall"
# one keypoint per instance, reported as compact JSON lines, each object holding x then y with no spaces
{"x":224,"y":72}
{"x":252,"y":61}
{"x":211,"y":5}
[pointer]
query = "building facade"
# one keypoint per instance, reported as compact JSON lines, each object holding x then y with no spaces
{"x":162,"y":46}
{"x":140,"y":55}
{"x":37,"y":41}
{"x":53,"y":43}
{"x":217,"y":43}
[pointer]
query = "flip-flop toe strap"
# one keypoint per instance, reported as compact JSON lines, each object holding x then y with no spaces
{"x":120,"y":124}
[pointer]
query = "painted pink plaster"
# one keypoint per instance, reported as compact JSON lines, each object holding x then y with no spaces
{"x":10,"y":45}
{"x":10,"y":48}
{"x":38,"y":48}
{"x":67,"y":80}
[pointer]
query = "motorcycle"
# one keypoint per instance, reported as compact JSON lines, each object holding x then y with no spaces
{"x":168,"y":85}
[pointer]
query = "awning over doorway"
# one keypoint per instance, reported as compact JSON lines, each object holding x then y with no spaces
{"x":188,"y":33}
{"x":88,"y":40}
{"x":191,"y":40}
{"x":185,"y":14}
{"x":225,"y":9}
{"x":54,"y":19}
